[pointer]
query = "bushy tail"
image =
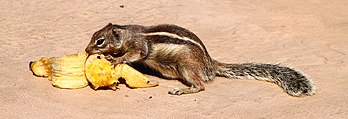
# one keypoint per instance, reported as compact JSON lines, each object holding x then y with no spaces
{"x":293,"y":82}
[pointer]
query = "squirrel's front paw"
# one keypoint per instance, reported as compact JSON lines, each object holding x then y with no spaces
{"x":115,"y":61}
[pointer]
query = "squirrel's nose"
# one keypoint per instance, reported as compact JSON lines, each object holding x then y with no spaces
{"x":88,"y":50}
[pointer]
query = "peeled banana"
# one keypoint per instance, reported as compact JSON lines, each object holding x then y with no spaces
{"x":75,"y":71}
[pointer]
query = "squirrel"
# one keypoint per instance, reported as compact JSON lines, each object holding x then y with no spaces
{"x":177,"y":53}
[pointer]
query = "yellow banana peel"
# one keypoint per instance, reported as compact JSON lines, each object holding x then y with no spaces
{"x":41,"y":68}
{"x":132,"y":77}
{"x":68,"y":71}
{"x":75,"y":71}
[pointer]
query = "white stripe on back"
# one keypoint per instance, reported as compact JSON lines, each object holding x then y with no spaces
{"x":173,"y":36}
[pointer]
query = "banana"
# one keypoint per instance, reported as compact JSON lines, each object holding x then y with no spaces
{"x":76,"y":70}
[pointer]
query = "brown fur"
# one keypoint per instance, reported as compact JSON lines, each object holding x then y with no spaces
{"x":178,"y":53}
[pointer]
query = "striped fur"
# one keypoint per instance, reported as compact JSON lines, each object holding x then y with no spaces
{"x":174,"y":36}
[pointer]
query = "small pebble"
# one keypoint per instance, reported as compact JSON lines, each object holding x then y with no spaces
{"x":121,"y":6}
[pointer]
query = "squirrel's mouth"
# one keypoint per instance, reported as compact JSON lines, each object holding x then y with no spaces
{"x":96,"y":52}
{"x":91,"y":50}
{"x":117,"y":54}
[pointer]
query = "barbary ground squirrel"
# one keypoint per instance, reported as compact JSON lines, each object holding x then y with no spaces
{"x":177,"y":53}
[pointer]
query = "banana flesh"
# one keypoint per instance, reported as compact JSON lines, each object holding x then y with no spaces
{"x":100,"y":72}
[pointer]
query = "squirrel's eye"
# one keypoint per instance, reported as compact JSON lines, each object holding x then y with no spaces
{"x":100,"y":42}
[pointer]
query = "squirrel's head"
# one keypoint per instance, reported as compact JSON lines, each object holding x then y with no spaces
{"x":107,"y":40}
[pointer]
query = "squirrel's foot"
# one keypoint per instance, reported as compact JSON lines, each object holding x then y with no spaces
{"x":176,"y":91}
{"x":179,"y":91}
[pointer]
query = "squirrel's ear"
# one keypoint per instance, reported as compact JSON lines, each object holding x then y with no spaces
{"x":117,"y":28}
{"x":117,"y":31}
{"x":109,"y":24}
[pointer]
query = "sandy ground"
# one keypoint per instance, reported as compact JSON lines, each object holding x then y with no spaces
{"x":308,"y":35}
